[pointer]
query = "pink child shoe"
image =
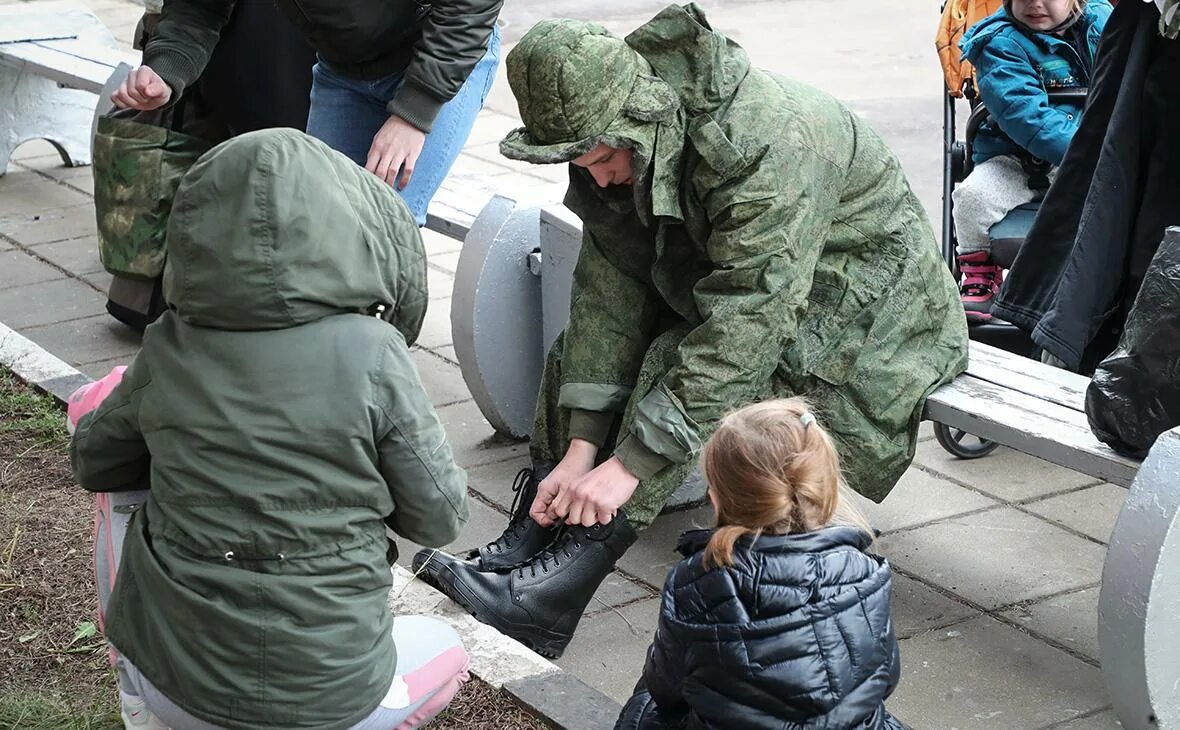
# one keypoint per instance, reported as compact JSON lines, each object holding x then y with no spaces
{"x":979,"y":285}
{"x":87,"y":398}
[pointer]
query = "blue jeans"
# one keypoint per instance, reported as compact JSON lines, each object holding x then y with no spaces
{"x":347,"y":113}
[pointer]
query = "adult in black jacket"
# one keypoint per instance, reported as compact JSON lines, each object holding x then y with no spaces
{"x":397,"y":80}
{"x":789,"y":628}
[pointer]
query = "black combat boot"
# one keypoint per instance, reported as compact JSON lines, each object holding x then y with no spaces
{"x":522,"y":539}
{"x":541,"y":602}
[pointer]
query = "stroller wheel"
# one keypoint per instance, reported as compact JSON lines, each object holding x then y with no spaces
{"x":961,"y":444}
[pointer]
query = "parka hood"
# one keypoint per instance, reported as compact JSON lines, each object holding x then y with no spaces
{"x":274,"y":229}
{"x":980,"y":34}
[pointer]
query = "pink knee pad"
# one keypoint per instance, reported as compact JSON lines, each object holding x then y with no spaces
{"x":443,"y":675}
{"x":87,"y":398}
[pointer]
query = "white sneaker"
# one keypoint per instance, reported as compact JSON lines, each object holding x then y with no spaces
{"x":136,"y":715}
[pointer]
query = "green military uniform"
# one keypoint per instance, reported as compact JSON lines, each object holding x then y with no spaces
{"x":281,"y":430}
{"x":770,"y":246}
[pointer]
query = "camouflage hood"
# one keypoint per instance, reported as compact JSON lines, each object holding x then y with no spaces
{"x":576,"y":84}
{"x":273,"y":229}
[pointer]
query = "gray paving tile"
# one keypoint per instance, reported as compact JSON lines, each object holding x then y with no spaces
{"x":76,"y":255}
{"x":447,"y":352}
{"x":926,"y":431}
{"x":490,"y":128}
{"x":1101,"y":721}
{"x":1005,"y":474}
{"x":47,"y":224}
{"x":985,"y":675}
{"x":100,"y":280}
{"x":18,"y":268}
{"x":616,"y":591}
{"x":25,"y":191}
{"x":35,"y":148}
{"x":484,"y":525}
{"x":442,"y":380}
{"x":494,"y":481}
{"x":439,"y":284}
{"x":1091,"y":511}
{"x":438,"y":244}
{"x":650,"y":558}
{"x":5,"y":245}
{"x":99,"y":369}
{"x":59,"y":300}
{"x":920,"y":497}
{"x":608,"y":649}
{"x":1071,"y":620}
{"x":918,"y":608}
{"x":90,"y":339}
{"x":436,"y":327}
{"x":473,"y":440}
{"x":447,"y":261}
{"x":996,"y":558}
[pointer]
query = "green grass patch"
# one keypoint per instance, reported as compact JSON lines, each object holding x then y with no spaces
{"x":31,"y":414}
{"x":31,"y":709}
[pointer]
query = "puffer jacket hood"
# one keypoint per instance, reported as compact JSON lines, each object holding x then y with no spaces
{"x":274,"y":229}
{"x":973,"y":41}
{"x":796,"y":633}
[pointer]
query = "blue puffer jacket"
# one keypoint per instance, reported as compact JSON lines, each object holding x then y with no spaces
{"x":1015,"y":69}
{"x":795,"y":634}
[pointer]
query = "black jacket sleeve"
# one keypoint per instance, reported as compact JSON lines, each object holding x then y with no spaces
{"x":181,"y":45}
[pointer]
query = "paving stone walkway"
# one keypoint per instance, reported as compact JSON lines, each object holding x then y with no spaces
{"x":997,"y":561}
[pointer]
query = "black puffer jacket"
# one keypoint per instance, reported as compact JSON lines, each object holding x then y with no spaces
{"x":795,"y":634}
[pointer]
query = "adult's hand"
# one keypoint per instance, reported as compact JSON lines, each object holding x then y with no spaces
{"x":143,"y":89}
{"x":595,"y":498}
{"x":396,"y":146}
{"x":577,"y":463}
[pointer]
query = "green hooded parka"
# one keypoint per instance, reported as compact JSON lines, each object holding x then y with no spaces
{"x":280,"y":429}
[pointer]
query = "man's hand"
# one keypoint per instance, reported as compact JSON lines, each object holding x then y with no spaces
{"x":577,"y":463}
{"x":396,"y":146}
{"x":595,"y":498}
{"x":143,"y":89}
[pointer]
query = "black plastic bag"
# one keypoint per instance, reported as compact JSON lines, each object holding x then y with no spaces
{"x":1135,"y":393}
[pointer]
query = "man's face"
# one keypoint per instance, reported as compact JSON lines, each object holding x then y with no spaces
{"x":1042,"y":14}
{"x":607,"y":165}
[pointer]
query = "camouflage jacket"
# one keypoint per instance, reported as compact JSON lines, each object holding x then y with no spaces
{"x":784,"y":233}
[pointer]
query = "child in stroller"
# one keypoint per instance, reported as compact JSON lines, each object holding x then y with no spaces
{"x":1023,"y":54}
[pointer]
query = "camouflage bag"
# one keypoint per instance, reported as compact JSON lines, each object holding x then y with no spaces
{"x":137,"y":168}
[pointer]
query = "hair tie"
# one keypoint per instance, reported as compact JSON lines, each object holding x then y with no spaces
{"x":806,"y":419}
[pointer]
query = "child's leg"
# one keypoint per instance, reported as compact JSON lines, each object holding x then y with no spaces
{"x":993,"y":188}
{"x":431,"y":666}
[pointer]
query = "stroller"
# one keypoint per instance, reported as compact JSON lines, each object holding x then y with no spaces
{"x":1006,"y":236}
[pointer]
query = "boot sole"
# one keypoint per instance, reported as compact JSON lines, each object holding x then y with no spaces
{"x":550,"y":644}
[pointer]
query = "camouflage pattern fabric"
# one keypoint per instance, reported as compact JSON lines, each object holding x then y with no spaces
{"x":1170,"y":18}
{"x":137,"y":168}
{"x":779,"y":231}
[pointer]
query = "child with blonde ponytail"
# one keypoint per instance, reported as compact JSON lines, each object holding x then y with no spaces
{"x":777,"y":617}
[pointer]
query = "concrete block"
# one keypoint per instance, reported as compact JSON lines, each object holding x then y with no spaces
{"x":1005,"y":474}
{"x":442,"y":380}
{"x":495,"y":658}
{"x":984,"y":675}
{"x":472,"y":438}
{"x":565,"y":701}
{"x":59,"y":300}
{"x":18,"y":268}
{"x":919,"y":498}
{"x":650,"y":558}
{"x":609,"y":648}
{"x":918,"y":608}
{"x":86,"y":340}
{"x":996,"y":558}
{"x":46,"y":224}
{"x":76,"y":255}
{"x":1090,"y":511}
{"x":1070,"y":619}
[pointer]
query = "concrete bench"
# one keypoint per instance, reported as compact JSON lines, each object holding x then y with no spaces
{"x":511,"y":299}
{"x":58,"y":65}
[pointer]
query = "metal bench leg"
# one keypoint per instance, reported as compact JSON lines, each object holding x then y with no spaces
{"x":37,"y":108}
{"x":1139,"y":605}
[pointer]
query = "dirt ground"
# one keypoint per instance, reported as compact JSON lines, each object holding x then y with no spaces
{"x":54,"y":672}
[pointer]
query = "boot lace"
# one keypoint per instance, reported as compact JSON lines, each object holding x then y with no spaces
{"x":516,"y":526}
{"x":552,"y":556}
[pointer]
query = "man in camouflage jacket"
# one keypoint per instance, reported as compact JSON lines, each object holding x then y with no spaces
{"x":745,"y":237}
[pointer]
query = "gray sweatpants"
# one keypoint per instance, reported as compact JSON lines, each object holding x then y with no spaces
{"x":431,"y":661}
{"x":993,"y":188}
